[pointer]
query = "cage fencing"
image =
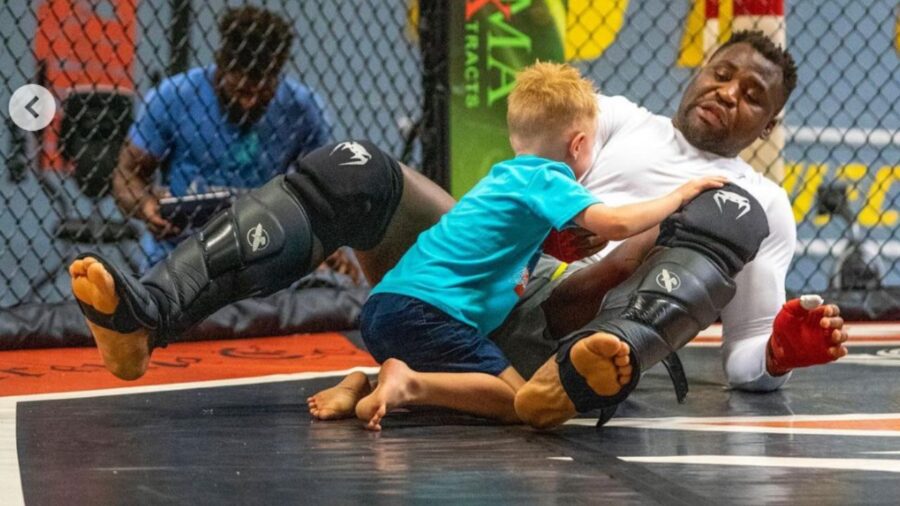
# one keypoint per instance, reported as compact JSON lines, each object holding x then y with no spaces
{"x":377,"y":70}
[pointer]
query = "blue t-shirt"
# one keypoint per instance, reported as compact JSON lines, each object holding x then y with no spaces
{"x":182,"y":123}
{"x":470,"y":263}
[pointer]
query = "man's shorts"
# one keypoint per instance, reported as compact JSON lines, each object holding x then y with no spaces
{"x":523,"y":336}
{"x":426,"y":338}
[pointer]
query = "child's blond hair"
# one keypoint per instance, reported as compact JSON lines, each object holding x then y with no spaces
{"x":548,"y":99}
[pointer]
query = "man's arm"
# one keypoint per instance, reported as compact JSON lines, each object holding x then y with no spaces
{"x":150,"y":140}
{"x":747,"y":320}
{"x":131,"y":187}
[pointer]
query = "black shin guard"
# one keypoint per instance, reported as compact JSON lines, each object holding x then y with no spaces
{"x":677,"y":292}
{"x":260,"y":245}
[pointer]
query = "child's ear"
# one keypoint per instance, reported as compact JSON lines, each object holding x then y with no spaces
{"x":576,"y":145}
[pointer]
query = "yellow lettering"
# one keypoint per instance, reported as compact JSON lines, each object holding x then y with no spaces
{"x":792,"y":172}
{"x":806,"y":190}
{"x":873,"y":213}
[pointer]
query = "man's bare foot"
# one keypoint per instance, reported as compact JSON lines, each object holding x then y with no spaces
{"x":601,"y":359}
{"x":126,"y":355}
{"x":396,"y":386}
{"x":340,"y":400}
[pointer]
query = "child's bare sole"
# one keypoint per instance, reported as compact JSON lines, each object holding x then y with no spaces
{"x":601,"y":359}
{"x":126,"y":355}
{"x":395,"y":386}
{"x":340,"y":401}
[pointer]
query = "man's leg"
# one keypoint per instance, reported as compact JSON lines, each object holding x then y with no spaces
{"x":651,"y":320}
{"x":421,"y":206}
{"x":258,"y":246}
{"x":560,"y":298}
{"x":602,"y":359}
{"x":677,"y":291}
{"x":126,"y":354}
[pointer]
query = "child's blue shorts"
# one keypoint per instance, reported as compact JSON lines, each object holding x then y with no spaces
{"x":426,"y":338}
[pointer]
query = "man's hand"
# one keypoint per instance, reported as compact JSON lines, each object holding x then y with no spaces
{"x":805,"y":333}
{"x":341,"y":263}
{"x":148,"y":212}
{"x":573,"y":244}
{"x":135,"y":194}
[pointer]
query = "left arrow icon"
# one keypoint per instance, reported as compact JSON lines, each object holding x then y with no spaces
{"x":30,"y":105}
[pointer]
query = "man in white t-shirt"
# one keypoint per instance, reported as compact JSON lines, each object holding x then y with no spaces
{"x":733,"y":100}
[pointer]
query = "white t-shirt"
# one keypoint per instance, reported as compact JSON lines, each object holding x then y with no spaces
{"x":640,"y":156}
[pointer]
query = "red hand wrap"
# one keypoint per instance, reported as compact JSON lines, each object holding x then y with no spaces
{"x":562,"y":246}
{"x":798,"y":339}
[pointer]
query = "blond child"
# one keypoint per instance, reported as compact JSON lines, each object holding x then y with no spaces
{"x":428,"y":320}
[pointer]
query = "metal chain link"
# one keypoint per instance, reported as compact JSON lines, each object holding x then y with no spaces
{"x":102,"y":58}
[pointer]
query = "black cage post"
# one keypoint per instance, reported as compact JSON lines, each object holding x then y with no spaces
{"x":434,"y":33}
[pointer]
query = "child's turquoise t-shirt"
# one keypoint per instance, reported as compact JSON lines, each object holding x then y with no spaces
{"x":470,"y":263}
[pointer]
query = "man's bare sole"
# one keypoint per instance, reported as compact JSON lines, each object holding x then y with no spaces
{"x":601,"y":359}
{"x":126,"y":355}
{"x":339,"y":401}
{"x":396,"y":386}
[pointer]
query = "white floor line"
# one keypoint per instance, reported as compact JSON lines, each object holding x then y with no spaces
{"x":709,"y":424}
{"x":883,"y":465}
{"x":10,"y":477}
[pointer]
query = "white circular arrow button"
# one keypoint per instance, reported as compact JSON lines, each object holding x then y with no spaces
{"x":32,"y":107}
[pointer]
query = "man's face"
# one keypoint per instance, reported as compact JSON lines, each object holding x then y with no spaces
{"x":243,"y":99}
{"x":732,"y":101}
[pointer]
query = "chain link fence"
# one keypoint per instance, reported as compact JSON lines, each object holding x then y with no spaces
{"x":110,"y":63}
{"x":838,"y":152}
{"x":837,"y":156}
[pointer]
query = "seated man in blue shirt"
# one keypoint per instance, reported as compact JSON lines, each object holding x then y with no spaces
{"x":228,"y":126}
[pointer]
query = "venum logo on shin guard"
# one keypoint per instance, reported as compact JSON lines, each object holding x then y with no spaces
{"x":721,"y":197}
{"x":359,"y":154}
{"x":257,"y":238}
{"x":668,"y":280}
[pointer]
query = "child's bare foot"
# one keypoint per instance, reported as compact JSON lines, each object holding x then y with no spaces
{"x":126,"y":355}
{"x":601,"y":359}
{"x":396,"y":386}
{"x":340,"y":400}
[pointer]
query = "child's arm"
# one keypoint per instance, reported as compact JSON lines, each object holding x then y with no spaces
{"x":617,"y":223}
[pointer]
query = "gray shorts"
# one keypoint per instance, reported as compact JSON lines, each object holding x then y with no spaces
{"x":523,"y":337}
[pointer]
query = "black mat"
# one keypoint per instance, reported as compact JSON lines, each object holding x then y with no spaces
{"x":257,"y":445}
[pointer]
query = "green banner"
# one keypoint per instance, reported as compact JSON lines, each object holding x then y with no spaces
{"x":490,"y":41}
